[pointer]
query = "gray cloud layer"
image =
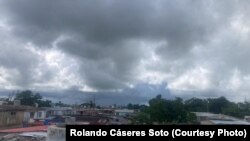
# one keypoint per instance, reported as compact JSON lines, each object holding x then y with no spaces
{"x":192,"y":45}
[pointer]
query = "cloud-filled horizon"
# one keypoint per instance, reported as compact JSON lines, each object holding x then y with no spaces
{"x":191,"y":48}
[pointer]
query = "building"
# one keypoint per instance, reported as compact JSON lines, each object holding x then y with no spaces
{"x":41,"y":114}
{"x":44,"y":112}
{"x":201,"y":116}
{"x":205,"y":118}
{"x":3,"y":101}
{"x":247,"y":118}
{"x":15,"y":116}
{"x":224,"y":122}
{"x":93,"y":111}
{"x":61,"y":111}
{"x":124,"y":112}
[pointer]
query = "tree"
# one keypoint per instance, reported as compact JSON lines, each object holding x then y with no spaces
{"x":196,"y":105}
{"x":216,"y":105}
{"x":134,"y":106}
{"x":165,"y":111}
{"x":29,"y":98}
{"x":61,"y":104}
{"x":159,"y":110}
{"x":130,"y":106}
{"x":141,"y":118}
{"x":45,"y":103}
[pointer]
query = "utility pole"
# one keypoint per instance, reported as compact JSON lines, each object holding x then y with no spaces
{"x":94,"y":102}
{"x":207,"y":106}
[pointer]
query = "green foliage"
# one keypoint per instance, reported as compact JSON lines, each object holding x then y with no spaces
{"x":29,"y":98}
{"x":191,"y":118}
{"x":218,"y":105}
{"x":136,"y":107}
{"x":61,"y":104}
{"x":45,"y":103}
{"x":196,"y":105}
{"x":141,"y":118}
{"x":133,"y":106}
{"x":237,"y":109}
{"x":164,"y":111}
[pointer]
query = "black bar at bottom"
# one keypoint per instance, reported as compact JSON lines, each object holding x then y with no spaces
{"x":177,"y":132}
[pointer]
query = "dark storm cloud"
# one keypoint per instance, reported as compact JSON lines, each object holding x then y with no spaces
{"x":141,"y":93}
{"x":17,"y":61}
{"x":106,"y":35}
{"x":181,"y":23}
{"x":117,"y":44}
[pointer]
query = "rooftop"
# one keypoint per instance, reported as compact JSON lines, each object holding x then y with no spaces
{"x":16,"y":108}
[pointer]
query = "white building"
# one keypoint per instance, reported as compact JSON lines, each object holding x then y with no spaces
{"x":218,"y":119}
{"x":43,"y":113}
{"x":124,"y":112}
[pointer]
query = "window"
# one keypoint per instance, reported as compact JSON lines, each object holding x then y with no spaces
{"x":12,"y":113}
{"x":39,"y":114}
{"x":32,"y":114}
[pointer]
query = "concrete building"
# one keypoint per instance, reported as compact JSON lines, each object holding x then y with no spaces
{"x":247,"y":118}
{"x":205,"y":118}
{"x":61,"y":111}
{"x":124,"y":112}
{"x":14,"y":116}
{"x":44,"y":112}
{"x":41,"y":114}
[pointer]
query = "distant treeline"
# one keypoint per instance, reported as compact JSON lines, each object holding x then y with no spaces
{"x":165,"y":111}
{"x":29,"y":98}
{"x":158,"y":110}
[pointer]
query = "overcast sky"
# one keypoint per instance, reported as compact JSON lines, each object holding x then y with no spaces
{"x":192,"y":47}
